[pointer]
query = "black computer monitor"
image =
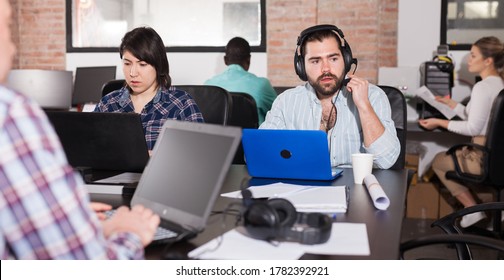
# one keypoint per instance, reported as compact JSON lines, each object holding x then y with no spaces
{"x":89,"y":82}
{"x":51,"y":89}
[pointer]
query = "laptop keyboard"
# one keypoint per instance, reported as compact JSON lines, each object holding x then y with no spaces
{"x":161,"y":232}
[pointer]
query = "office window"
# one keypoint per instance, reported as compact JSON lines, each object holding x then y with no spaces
{"x":465,"y":21}
{"x":184,"y":25}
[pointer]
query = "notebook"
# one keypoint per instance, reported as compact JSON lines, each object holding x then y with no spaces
{"x":185,"y":174}
{"x":102,"y":141}
{"x":288,"y":154}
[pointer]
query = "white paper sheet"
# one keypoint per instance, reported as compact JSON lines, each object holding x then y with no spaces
{"x":428,"y":97}
{"x":346,"y":239}
{"x":104,"y":189}
{"x":329,"y":199}
{"x":123,"y":178}
{"x":268,"y":191}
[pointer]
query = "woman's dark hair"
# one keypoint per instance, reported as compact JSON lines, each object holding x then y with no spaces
{"x":492,"y":47}
{"x":145,"y":44}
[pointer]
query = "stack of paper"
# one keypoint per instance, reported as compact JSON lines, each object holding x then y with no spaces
{"x":327,"y":199}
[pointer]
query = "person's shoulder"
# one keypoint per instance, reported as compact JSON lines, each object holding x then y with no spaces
{"x":489,"y":83}
{"x":173,"y":93}
{"x":114,"y":95}
{"x":10,"y":98}
{"x":7,"y":95}
{"x":14,"y":104}
{"x":375,"y":88}
{"x":294,"y":93}
{"x":297,"y":90}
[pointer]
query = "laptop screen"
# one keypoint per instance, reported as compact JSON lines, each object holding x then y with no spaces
{"x":105,"y":141}
{"x":186,"y":171}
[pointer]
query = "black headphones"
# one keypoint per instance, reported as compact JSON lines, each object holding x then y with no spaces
{"x":277,"y":219}
{"x":346,"y":51}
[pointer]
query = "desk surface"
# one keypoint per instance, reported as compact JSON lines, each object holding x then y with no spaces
{"x":383,"y":227}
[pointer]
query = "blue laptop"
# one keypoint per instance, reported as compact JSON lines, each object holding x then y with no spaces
{"x":288,"y":154}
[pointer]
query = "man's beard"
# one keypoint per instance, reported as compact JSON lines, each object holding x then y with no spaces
{"x":328,"y":89}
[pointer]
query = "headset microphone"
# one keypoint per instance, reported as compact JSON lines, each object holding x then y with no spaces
{"x":345,"y":81}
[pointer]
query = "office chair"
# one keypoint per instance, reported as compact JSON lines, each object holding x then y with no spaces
{"x":279,"y":90}
{"x":449,"y":225}
{"x":398,"y":106}
{"x":493,"y":159}
{"x":456,"y":239}
{"x":112,"y":85}
{"x":244,"y":114}
{"x":214,"y":102}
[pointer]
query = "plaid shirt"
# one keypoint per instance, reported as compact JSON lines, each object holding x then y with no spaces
{"x":44,"y":210}
{"x":166,"y":104}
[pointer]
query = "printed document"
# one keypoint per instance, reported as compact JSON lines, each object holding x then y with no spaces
{"x":429,"y":97}
{"x":327,"y":199}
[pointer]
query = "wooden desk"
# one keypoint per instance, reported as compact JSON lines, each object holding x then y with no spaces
{"x":383,"y":227}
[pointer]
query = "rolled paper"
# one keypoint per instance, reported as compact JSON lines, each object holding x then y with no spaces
{"x":380,"y":199}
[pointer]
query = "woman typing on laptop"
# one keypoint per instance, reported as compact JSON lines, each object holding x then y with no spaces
{"x":148,"y":90}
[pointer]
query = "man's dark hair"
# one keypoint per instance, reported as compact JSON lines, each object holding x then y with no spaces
{"x":237,"y":51}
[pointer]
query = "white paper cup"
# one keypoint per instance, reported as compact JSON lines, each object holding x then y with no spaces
{"x":362,"y":165}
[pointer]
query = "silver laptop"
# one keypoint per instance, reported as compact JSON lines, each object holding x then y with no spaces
{"x":51,"y":89}
{"x":185,"y":173}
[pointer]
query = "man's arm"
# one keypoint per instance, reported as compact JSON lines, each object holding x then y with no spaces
{"x":372,"y":128}
{"x":378,"y":129}
{"x":47,"y":213}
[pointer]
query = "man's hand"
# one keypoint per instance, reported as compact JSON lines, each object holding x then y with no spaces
{"x":359,"y":89}
{"x":139,"y":220}
{"x":99,"y":208}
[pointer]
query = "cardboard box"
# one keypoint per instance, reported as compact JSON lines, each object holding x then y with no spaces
{"x":412,"y":161}
{"x":423,"y":201}
{"x":445,"y":204}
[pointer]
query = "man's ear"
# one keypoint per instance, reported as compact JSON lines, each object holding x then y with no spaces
{"x":226,"y":60}
{"x":246,"y":64}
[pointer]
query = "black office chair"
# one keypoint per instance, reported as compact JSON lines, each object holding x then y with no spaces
{"x":112,"y":85}
{"x":398,"y":106}
{"x":214,"y":102}
{"x":244,"y":114}
{"x":493,"y":160}
{"x":279,"y":90}
{"x":450,"y":226}
{"x":457,"y":239}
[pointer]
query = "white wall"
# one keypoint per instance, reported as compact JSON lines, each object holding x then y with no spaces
{"x":185,"y":68}
{"x":419,"y":27}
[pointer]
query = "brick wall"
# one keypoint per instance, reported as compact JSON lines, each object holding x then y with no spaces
{"x":370,"y":27}
{"x":39,"y":32}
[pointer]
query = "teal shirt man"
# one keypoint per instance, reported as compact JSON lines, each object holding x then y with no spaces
{"x":236,"y":77}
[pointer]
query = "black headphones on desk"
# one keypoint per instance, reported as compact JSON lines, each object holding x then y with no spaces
{"x":346,"y":51}
{"x":277,"y":219}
